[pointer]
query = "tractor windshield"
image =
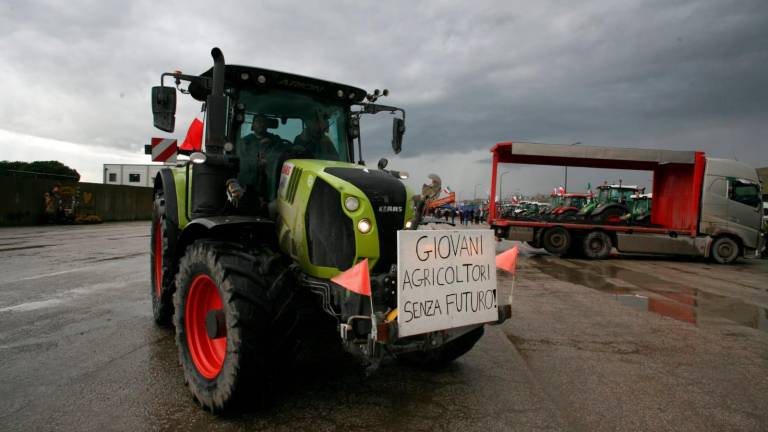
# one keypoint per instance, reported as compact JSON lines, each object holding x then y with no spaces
{"x":604,"y":195}
{"x":280,"y":125}
{"x":573,"y":201}
{"x":615,"y":194}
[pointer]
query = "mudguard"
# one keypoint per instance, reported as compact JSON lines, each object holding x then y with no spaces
{"x":236,"y":228}
{"x":164,"y":181}
{"x":602,"y":208}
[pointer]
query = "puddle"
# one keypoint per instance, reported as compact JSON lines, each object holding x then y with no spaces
{"x":643,"y":291}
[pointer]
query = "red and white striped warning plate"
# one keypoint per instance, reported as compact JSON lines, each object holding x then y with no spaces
{"x":164,"y":150}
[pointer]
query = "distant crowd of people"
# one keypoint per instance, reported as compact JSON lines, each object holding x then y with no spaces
{"x":466,"y":215}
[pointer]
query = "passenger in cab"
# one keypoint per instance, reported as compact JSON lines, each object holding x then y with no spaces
{"x":314,"y":138}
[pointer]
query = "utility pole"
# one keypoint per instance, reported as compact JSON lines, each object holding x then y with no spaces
{"x":501,"y":183}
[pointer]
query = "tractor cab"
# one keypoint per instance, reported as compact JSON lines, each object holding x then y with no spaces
{"x":639,"y":208}
{"x":616,"y":193}
{"x":574,"y":200}
{"x":255,"y":120}
{"x":568,"y":205}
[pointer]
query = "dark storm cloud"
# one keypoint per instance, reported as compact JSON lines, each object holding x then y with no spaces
{"x":644,"y":76}
{"x":674,"y":74}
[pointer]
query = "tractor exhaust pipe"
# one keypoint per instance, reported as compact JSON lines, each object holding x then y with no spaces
{"x":218,"y":72}
{"x":216,"y":106}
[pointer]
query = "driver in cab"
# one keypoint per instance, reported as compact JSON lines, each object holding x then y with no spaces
{"x":260,"y":139}
{"x":254,"y":150}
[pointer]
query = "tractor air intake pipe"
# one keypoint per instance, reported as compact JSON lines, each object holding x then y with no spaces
{"x":216,"y":106}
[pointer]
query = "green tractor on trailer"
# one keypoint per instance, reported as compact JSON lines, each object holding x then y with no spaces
{"x":247,"y":234}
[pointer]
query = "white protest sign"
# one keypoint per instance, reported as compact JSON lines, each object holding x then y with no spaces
{"x":445,"y":279}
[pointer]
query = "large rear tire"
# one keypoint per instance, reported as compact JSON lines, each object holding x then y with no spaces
{"x":235,"y":324}
{"x":444,"y":354}
{"x":161,"y":263}
{"x":556,"y":240}
{"x":611,"y":215}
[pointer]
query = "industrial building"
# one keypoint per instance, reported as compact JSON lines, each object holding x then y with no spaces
{"x":131,"y":174}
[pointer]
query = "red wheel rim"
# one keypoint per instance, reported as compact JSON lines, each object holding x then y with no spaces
{"x":158,"y":259}
{"x":207,"y":354}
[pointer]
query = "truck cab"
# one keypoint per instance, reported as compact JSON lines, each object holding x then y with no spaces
{"x":731,"y":203}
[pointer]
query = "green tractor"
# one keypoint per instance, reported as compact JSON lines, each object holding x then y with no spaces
{"x":249,"y":231}
{"x":610,"y":204}
{"x":639,"y":209}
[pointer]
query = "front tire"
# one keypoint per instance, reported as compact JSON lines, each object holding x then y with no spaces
{"x":446,"y":353}
{"x":725,"y":250}
{"x":234,"y":322}
{"x":161,"y":263}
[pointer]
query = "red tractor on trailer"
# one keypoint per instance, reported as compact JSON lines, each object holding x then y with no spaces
{"x":567,"y":205}
{"x":701,"y":206}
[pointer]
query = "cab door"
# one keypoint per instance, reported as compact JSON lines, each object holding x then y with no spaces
{"x":714,"y":206}
{"x":745,"y":210}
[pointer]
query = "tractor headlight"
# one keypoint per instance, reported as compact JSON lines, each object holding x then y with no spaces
{"x":408,"y":225}
{"x":351,"y":203}
{"x":364,"y":226}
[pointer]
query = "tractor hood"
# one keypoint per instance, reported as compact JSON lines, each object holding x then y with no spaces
{"x":323,"y":205}
{"x":387,"y":196}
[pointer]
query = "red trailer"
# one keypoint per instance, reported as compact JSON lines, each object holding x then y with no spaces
{"x":687,"y":215}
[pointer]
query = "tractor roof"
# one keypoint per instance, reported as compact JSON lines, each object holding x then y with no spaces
{"x":240,"y":76}
{"x":642,"y":196}
{"x":622,"y":187}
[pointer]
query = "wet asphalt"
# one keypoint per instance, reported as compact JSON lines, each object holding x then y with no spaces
{"x":634,"y":343}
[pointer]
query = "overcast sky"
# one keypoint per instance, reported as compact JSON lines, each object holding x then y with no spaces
{"x":686,"y":75}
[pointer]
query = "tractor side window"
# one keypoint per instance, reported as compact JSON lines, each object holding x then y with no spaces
{"x":744,"y":192}
{"x":337,"y":129}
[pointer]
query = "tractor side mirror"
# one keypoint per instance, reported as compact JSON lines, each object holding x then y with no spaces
{"x":383,"y":162}
{"x":398,"y":129}
{"x":164,"y":107}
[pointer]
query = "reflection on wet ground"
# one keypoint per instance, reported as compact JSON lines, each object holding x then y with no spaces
{"x":645,"y":291}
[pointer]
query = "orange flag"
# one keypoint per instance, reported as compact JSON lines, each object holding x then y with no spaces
{"x":194,"y":139}
{"x":507,"y":260}
{"x":356,"y":279}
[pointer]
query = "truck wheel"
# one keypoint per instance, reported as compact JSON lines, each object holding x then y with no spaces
{"x":444,"y":354}
{"x":725,"y":250}
{"x":234,"y":322}
{"x":161,"y":263}
{"x":597,"y":245}
{"x":557,"y":240}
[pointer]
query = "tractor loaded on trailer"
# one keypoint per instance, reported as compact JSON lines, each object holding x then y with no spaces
{"x":699,"y":206}
{"x":270,"y":239}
